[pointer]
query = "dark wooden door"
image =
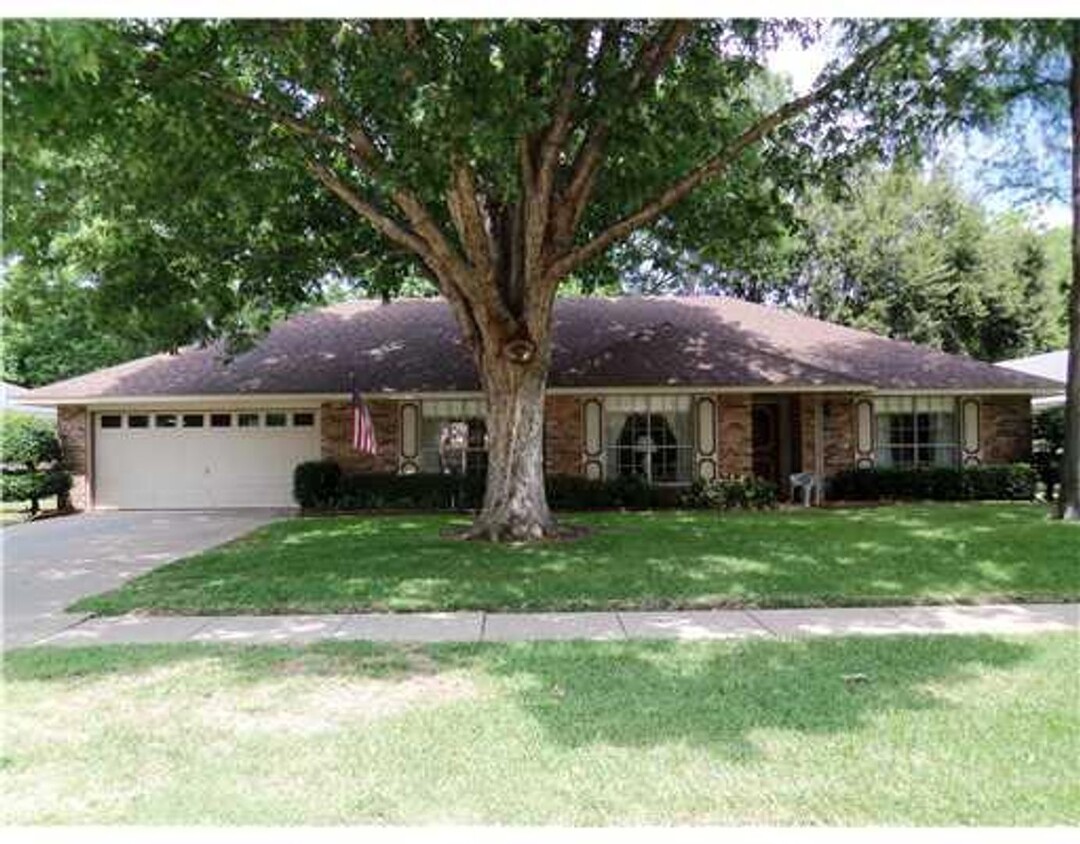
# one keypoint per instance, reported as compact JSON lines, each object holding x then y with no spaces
{"x":766,"y":441}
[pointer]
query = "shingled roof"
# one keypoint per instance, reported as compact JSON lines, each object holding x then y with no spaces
{"x":413,"y":345}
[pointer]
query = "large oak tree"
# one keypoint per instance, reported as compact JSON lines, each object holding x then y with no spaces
{"x":238,"y":165}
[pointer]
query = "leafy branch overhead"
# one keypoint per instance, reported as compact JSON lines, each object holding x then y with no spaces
{"x":496,"y":158}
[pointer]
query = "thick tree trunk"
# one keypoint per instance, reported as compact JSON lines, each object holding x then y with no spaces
{"x":515,"y":504}
{"x":1069,"y":506}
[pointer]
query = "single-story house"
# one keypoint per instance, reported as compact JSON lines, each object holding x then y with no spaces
{"x":1052,"y":365}
{"x":671,"y":389}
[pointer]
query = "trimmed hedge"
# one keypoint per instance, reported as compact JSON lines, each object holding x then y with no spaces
{"x":1013,"y":482}
{"x":321,"y":485}
{"x":33,"y":486}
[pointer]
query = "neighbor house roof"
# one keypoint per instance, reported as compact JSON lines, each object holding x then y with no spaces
{"x":413,"y":346}
{"x":12,"y":394}
{"x":1053,"y":365}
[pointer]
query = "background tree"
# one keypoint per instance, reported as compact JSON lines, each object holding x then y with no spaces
{"x":29,"y":450}
{"x":1029,"y":79}
{"x":912,"y":257}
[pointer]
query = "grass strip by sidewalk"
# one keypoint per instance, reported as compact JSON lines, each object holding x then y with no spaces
{"x":857,"y":731}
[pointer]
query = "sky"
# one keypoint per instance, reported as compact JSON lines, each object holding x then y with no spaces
{"x":968,"y":154}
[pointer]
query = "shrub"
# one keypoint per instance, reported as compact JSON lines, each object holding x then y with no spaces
{"x":730,"y":492}
{"x":374,"y":491}
{"x":573,"y":492}
{"x":316,"y":483}
{"x":322,"y":485}
{"x":27,"y":441}
{"x":1014,"y":482}
{"x":1048,"y":447}
{"x":33,"y":486}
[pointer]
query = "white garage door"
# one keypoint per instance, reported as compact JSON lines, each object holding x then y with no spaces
{"x":200,"y":459}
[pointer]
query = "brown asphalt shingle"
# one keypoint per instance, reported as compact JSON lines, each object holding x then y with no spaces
{"x":413,"y":345}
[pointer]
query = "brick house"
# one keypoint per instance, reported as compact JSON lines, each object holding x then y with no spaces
{"x":670,"y":389}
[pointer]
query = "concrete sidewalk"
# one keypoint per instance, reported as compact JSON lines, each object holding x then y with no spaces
{"x":616,"y":626}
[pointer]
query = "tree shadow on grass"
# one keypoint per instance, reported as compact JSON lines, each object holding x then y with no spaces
{"x":717,"y":695}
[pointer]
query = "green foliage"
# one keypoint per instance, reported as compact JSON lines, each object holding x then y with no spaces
{"x":56,"y":328}
{"x":1048,"y":446}
{"x":27,"y":441}
{"x":149,"y":157}
{"x":34,"y":486}
{"x":1014,"y":482}
{"x":733,"y":492}
{"x":321,"y":485}
{"x":316,"y":483}
{"x":913,"y":258}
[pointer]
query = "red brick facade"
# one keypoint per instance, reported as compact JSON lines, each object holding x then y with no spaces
{"x":563,"y":435}
{"x":72,"y":428}
{"x":736,"y":443}
{"x":1005,"y":429}
{"x":337,"y":437}
{"x":1004,"y":435}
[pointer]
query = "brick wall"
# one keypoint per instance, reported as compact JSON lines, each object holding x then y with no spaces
{"x":71,"y":426}
{"x":839,"y":434}
{"x":563,"y":435}
{"x":736,"y":445}
{"x":337,"y":436}
{"x":1005,"y":429}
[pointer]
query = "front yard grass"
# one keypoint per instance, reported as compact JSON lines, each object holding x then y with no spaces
{"x":858,"y":731}
{"x":884,"y":555}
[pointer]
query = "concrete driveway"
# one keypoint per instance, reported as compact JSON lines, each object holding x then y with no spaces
{"x":50,"y":564}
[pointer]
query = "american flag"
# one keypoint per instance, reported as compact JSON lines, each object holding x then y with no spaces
{"x":363,"y":433}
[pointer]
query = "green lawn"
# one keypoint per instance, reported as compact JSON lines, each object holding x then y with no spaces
{"x":940,"y":730}
{"x":901,"y":554}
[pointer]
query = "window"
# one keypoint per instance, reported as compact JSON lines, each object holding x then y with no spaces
{"x":111,"y":420}
{"x":303,"y":420}
{"x":453,"y":437}
{"x":649,"y":437}
{"x":247,"y":420}
{"x":138,"y":420}
{"x":220,"y":420}
{"x":276,"y":420}
{"x":193,"y":420}
{"x":165,"y":420}
{"x":916,"y":431}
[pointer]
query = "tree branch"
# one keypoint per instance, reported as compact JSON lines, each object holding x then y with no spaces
{"x":383,"y":223}
{"x":651,"y":62}
{"x":719,"y":162}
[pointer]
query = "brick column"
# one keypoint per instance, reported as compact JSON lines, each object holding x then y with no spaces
{"x":562,"y":435}
{"x":736,"y":445}
{"x":839,"y":434}
{"x":73,"y":429}
{"x":337,"y":433}
{"x":1005,"y":429}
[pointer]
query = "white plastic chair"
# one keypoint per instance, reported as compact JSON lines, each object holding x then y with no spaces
{"x":808,"y":483}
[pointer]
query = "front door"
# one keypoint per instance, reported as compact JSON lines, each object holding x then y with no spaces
{"x":766,"y":441}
